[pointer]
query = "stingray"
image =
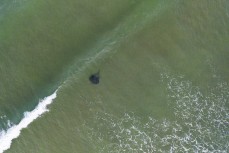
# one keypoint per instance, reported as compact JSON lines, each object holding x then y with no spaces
{"x":94,"y":78}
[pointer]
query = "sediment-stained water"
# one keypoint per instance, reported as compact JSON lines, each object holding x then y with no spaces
{"x":163,"y":76}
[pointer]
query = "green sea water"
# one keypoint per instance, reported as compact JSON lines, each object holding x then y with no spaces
{"x":40,"y":40}
{"x":163,"y":66}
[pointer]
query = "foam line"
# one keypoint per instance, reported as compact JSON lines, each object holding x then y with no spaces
{"x":13,"y":132}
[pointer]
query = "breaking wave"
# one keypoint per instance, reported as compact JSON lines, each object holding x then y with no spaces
{"x":14,"y":131}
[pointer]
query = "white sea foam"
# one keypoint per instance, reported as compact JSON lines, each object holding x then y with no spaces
{"x":13,"y":132}
{"x":200,"y":124}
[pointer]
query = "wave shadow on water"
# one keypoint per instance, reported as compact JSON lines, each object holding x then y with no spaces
{"x":6,"y":137}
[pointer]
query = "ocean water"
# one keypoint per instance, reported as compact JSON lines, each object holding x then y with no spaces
{"x":164,"y":83}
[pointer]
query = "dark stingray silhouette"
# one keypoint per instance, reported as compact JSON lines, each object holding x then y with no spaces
{"x":94,"y":78}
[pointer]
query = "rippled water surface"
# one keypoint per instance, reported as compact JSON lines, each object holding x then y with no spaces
{"x":163,"y":87}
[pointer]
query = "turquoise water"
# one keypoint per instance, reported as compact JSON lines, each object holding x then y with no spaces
{"x":164,"y":76}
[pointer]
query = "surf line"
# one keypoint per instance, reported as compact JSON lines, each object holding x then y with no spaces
{"x":13,"y":132}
